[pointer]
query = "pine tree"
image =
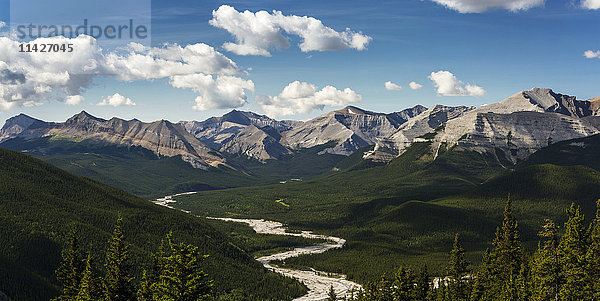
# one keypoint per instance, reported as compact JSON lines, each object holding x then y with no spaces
{"x":573,"y":249}
{"x":483,"y":277}
{"x":593,"y":256}
{"x":442,"y":291}
{"x":458,"y":270}
{"x":181,"y":277}
{"x":383,"y":290}
{"x":423,"y":284}
{"x":507,"y":258}
{"x":332,"y":295}
{"x":524,"y":279}
{"x":71,"y":268}
{"x":369,"y":292}
{"x":546,"y":269}
{"x":117,"y":284}
{"x":144,"y":293}
{"x":88,"y":289}
{"x":404,"y":286}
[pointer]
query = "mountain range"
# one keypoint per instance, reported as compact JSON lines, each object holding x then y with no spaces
{"x":376,"y":179}
{"x":509,"y":130}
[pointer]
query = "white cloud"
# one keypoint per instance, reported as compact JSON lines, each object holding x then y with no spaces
{"x":590,"y":54}
{"x":448,"y":85}
{"x":415,"y":86}
{"x":302,"y":97}
{"x":142,"y":63}
{"x":116,"y":100}
{"x":590,"y":4}
{"x":391,"y":86}
{"x":258,"y":33}
{"x":28,"y":79}
{"x":2,"y":24}
{"x":74,"y":100}
{"x":478,"y":6}
{"x":216,"y":92}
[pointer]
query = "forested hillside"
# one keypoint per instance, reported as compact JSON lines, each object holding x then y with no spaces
{"x":143,"y":173}
{"x":409,"y":210}
{"x":565,"y":266}
{"x":40,"y":203}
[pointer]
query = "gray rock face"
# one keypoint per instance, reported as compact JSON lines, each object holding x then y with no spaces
{"x":388,"y":148}
{"x":259,"y":143}
{"x":239,"y":132}
{"x":161,"y":137}
{"x":558,"y":103}
{"x":520,"y":134}
{"x":518,"y":125}
{"x":264,"y":138}
{"x":14,"y":126}
{"x":351,"y":127}
{"x":217,"y":130}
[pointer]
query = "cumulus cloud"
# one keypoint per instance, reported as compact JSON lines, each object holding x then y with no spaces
{"x":29,"y":78}
{"x":448,"y":85}
{"x":302,"y":97}
{"x":143,"y":63}
{"x":590,"y":4}
{"x":391,"y":86}
{"x":74,"y":100}
{"x":258,"y":33}
{"x":116,"y":100}
{"x":2,"y":24}
{"x":415,"y":86}
{"x":479,"y":6}
{"x":590,"y":54}
{"x":216,"y":92}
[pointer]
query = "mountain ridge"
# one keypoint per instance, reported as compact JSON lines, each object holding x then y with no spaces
{"x":161,"y":137}
{"x":518,"y":126}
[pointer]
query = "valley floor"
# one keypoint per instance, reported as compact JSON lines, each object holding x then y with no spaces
{"x":319,"y":283}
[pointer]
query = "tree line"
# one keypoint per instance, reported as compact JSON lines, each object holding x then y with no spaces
{"x":175,"y":273}
{"x":565,"y":266}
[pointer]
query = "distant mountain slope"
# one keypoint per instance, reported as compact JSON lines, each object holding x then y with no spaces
{"x":259,"y":143}
{"x":518,"y":126}
{"x":582,"y":151}
{"x":239,"y":132}
{"x":352,"y":128}
{"x":161,"y":137}
{"x":134,"y":169}
{"x":39,"y":203}
{"x":537,"y":191}
{"x":426,"y":122}
{"x":22,"y":125}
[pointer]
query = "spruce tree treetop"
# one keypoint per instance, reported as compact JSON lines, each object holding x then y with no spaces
{"x":118,"y":283}
{"x":71,"y":268}
{"x":459,"y":266}
{"x":508,"y":250}
{"x":457,"y":272}
{"x":573,"y":249}
{"x":332,"y":296}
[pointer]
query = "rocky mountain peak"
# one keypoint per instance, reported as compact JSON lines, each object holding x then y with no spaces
{"x":547,"y":100}
{"x":83,"y":116}
{"x":238,"y":117}
{"x":352,"y":110}
{"x":594,"y":106}
{"x":21,"y":120}
{"x":16,"y":125}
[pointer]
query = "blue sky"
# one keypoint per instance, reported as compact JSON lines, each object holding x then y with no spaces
{"x":499,"y":50}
